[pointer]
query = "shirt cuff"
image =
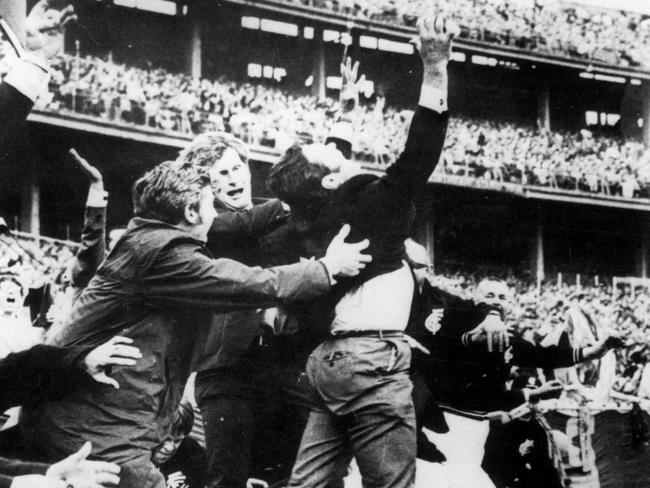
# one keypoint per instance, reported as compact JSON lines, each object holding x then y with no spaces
{"x":329,"y":273}
{"x":526,"y":393}
{"x":29,"y":78}
{"x":97,"y":198}
{"x":433,"y":98}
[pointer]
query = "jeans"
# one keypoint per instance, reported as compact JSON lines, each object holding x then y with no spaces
{"x":364,"y":409}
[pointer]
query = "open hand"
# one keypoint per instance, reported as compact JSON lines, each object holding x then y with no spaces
{"x":112,"y":353}
{"x":346,"y":259}
{"x":434,"y":45}
{"x":78,"y":472}
{"x":350,"y":86}
{"x":44,"y":27}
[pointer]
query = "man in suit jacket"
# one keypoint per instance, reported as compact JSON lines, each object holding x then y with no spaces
{"x":460,"y":381}
{"x":160,"y":286}
{"x":233,"y":384}
{"x":360,"y":371}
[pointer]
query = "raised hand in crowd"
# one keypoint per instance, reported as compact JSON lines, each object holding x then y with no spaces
{"x":115,"y":352}
{"x":346,"y":259}
{"x":350,"y":85}
{"x":94,"y":176}
{"x":44,"y":27}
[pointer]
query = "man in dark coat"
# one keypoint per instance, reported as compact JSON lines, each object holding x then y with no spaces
{"x":360,"y":371}
{"x":160,"y":286}
{"x":232,"y":386}
{"x":460,"y":381}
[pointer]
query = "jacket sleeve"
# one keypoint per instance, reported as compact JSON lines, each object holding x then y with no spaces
{"x":14,"y":108}
{"x":12,"y":467}
{"x":93,"y":247}
{"x":39,"y":374}
{"x":526,"y":354}
{"x":407,"y":177}
{"x":258,"y":221}
{"x":184,"y":275}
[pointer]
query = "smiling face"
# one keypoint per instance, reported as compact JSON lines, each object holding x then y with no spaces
{"x":493,"y":292}
{"x":231,"y":181}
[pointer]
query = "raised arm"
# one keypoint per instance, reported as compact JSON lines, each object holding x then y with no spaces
{"x":410,"y":173}
{"x":93,"y":235}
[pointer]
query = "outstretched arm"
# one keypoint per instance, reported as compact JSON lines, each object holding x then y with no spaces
{"x":409,"y":174}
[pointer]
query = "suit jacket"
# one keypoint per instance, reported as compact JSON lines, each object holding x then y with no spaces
{"x":159,"y":286}
{"x":231,"y":334}
{"x":380,"y":209}
{"x":463,"y":377}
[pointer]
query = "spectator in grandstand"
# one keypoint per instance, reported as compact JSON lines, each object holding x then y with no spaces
{"x":324,"y":189}
{"x":180,"y":458}
{"x":28,"y":77}
{"x":155,"y":283}
{"x":16,"y":330}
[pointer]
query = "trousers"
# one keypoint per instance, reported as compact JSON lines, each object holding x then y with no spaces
{"x":363,"y":409}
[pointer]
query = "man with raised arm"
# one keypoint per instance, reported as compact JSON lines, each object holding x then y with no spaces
{"x":362,"y":389}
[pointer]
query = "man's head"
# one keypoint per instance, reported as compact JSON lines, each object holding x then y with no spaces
{"x":493,"y":291}
{"x":176,"y":193}
{"x":181,"y":427}
{"x":11,"y":295}
{"x":226,"y":159}
{"x":306,"y":173}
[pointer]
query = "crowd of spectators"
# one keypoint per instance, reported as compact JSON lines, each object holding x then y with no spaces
{"x":267,"y":116}
{"x":607,"y":36}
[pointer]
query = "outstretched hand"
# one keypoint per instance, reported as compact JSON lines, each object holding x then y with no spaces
{"x":77,"y":472}
{"x":346,"y":259}
{"x":44,"y":27}
{"x":115,"y":352}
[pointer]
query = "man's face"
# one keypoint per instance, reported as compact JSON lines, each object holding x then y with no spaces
{"x":167,"y":449}
{"x":231,"y":181}
{"x":11,"y":297}
{"x":493,"y":293}
{"x":329,"y":156}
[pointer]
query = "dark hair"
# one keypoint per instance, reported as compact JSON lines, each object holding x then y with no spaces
{"x":297,"y":181}
{"x":183,"y":419}
{"x":164,"y":192}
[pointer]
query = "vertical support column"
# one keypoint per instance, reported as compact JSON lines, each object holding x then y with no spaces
{"x":30,"y":218}
{"x":195,"y":57}
{"x":318,"y":87}
{"x":643,"y":254}
{"x":544,"y":106}
{"x":645,"y":100}
{"x":537,"y":248}
{"x":15,"y":12}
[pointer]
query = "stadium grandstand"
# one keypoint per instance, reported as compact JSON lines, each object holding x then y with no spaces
{"x":544,"y":179}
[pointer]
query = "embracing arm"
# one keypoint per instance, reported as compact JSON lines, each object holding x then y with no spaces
{"x":256,"y":222}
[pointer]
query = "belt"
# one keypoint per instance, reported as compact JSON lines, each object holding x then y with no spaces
{"x":367,"y":333}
